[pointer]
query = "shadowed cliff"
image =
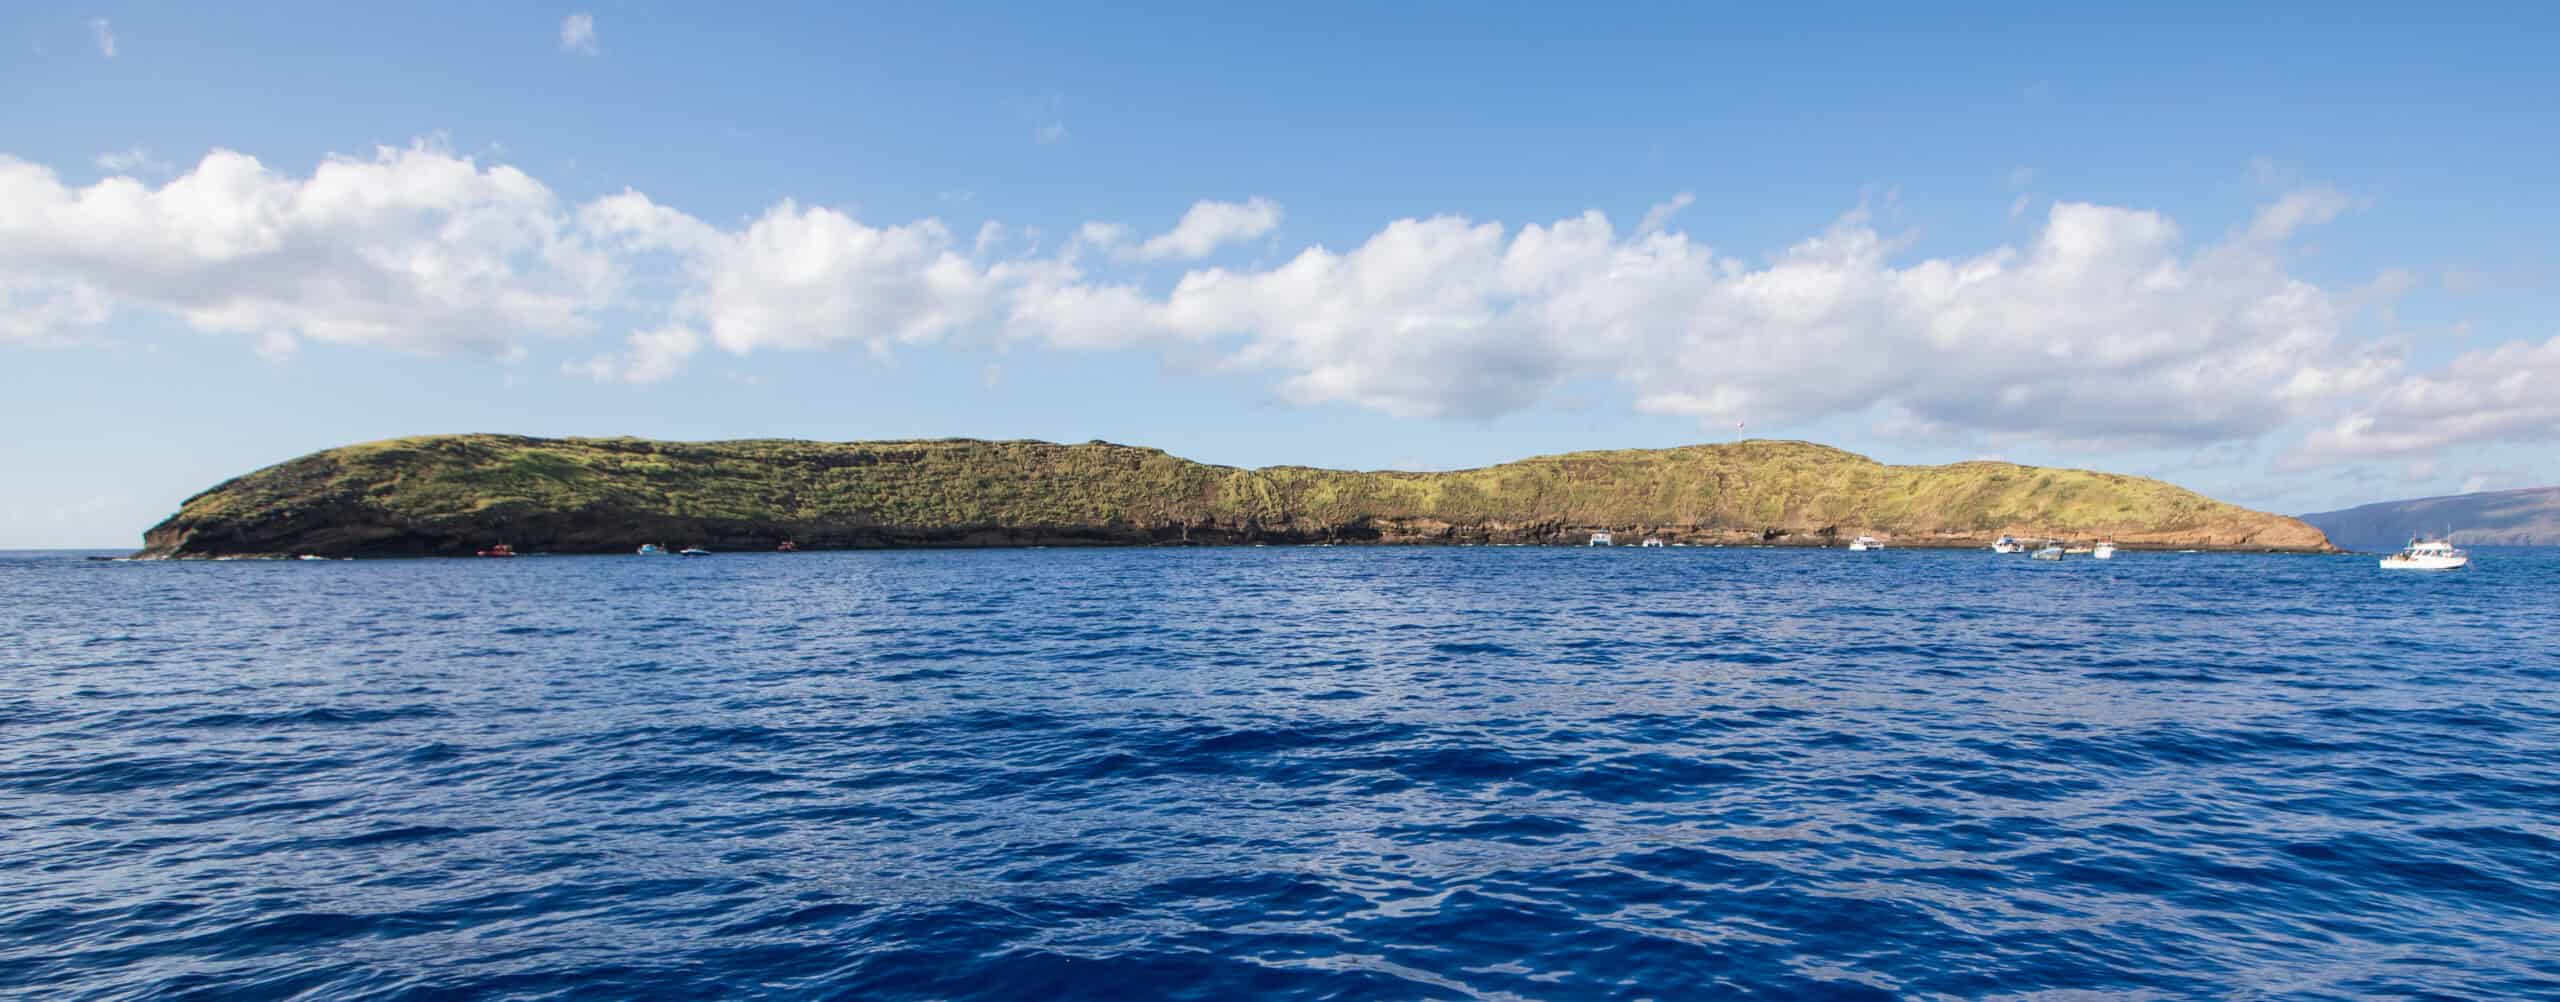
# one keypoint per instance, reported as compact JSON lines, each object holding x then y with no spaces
{"x":453,"y":494}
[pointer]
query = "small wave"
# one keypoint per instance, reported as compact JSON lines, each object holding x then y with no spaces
{"x":316,"y":716}
{"x":1474,"y":650}
{"x":1296,"y":774}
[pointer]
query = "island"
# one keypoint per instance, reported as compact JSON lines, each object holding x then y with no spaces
{"x":2525,"y":517}
{"x":455,"y":495}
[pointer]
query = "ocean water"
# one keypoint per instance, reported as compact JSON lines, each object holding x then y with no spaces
{"x":1283,"y":773}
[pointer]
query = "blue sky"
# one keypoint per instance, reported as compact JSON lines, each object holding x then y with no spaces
{"x":2295,"y":258}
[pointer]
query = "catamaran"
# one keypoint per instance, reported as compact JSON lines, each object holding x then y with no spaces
{"x":1600,"y":538}
{"x":2427,"y":555}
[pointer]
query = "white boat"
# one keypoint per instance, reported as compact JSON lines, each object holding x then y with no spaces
{"x":2008,"y":545}
{"x":2106,"y":550}
{"x":2427,"y":555}
{"x":693,"y":551}
{"x":1651,"y":543}
{"x":1600,"y":539}
{"x":2051,"y":551}
{"x":652,"y":550}
{"x":1864,"y":543}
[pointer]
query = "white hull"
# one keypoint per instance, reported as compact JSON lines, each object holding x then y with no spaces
{"x":2427,"y":555}
{"x":2407,"y":563}
{"x":2104,"y":552}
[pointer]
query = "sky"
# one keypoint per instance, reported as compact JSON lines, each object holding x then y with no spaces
{"x":2297,"y":258}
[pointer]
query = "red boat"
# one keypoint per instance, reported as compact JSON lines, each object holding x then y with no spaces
{"x":500,"y":550}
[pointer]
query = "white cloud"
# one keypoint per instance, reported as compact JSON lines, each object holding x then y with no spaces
{"x":1049,"y":133}
{"x":47,"y":314}
{"x":800,"y":278}
{"x":413,"y":248}
{"x":1099,"y":235}
{"x":578,"y":34}
{"x":2388,"y":285}
{"x":2498,"y":478}
{"x":105,"y":35}
{"x":1411,"y":322}
{"x":133,"y":161}
{"x":638,"y":224}
{"x":1658,"y":217}
{"x":1209,"y":225}
{"x":2510,"y":393}
{"x":2297,"y":209}
{"x":2105,"y":327}
{"x":654,"y":356}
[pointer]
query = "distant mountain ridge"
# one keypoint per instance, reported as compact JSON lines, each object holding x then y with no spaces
{"x":2525,"y":517}
{"x":454,"y":494}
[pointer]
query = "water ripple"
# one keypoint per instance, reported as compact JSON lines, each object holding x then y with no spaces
{"x":1314,"y":773}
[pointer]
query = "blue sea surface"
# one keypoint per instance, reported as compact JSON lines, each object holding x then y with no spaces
{"x":1295,"y":773}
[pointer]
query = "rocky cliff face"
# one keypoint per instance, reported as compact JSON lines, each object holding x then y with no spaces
{"x":452,"y":495}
